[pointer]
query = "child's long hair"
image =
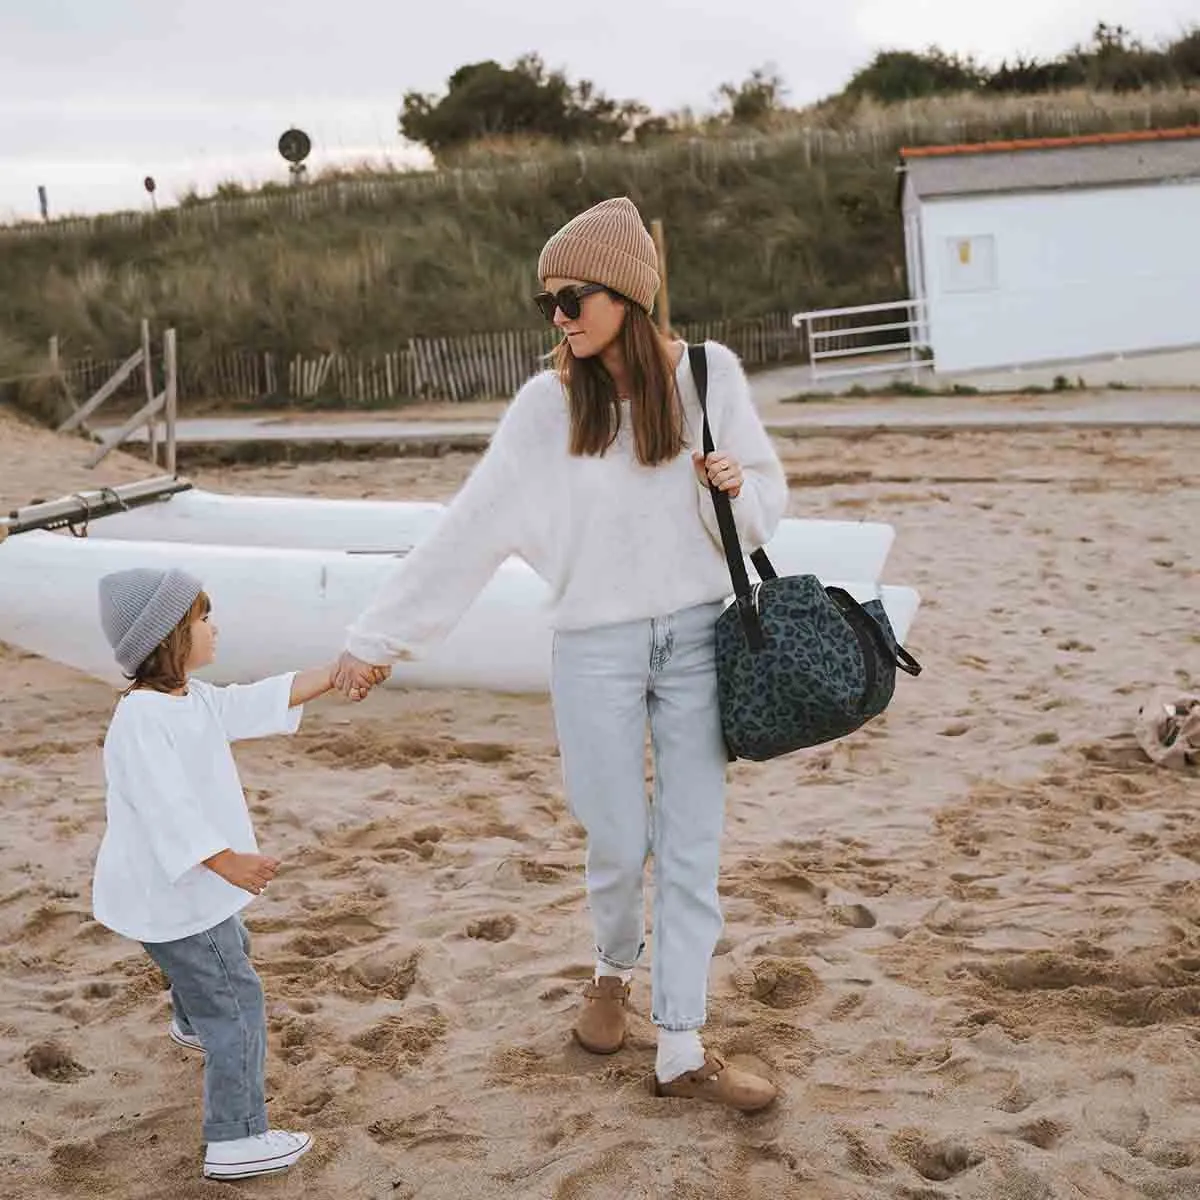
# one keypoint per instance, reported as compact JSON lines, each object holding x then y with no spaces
{"x":166,"y":668}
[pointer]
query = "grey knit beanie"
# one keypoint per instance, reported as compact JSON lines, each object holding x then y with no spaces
{"x":608,"y":244}
{"x":139,"y":607}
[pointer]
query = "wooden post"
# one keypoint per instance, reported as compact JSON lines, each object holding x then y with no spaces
{"x":148,"y":375}
{"x":170,"y":367}
{"x":127,"y":368}
{"x":664,"y":296}
{"x":56,"y":373}
{"x":138,"y":419}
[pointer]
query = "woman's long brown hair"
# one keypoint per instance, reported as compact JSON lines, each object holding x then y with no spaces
{"x":166,"y":668}
{"x":656,"y":410}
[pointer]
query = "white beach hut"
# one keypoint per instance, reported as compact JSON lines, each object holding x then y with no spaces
{"x":1055,"y":249}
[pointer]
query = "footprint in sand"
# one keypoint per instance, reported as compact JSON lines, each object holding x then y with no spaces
{"x":860,"y":1158}
{"x":571,"y":1127}
{"x":296,"y":1039}
{"x":403,"y":1040}
{"x":777,"y":982}
{"x":1017,"y":1098}
{"x":1116,"y":993}
{"x":392,"y":976}
{"x":791,"y":879}
{"x":53,"y":1061}
{"x":857,"y":916}
{"x":374,"y":746}
{"x":533,"y":871}
{"x":789,"y":945}
{"x":493,"y":929}
{"x":515,"y":872}
{"x":1171,"y":1155}
{"x":317,"y":945}
{"x":312,"y":1102}
{"x":847,"y":1006}
{"x":435,"y":1127}
{"x":1043,"y":1133}
{"x":1113,"y":1113}
{"x":78,"y":1158}
{"x":935,"y":1161}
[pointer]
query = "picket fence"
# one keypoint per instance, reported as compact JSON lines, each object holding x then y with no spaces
{"x":474,"y":366}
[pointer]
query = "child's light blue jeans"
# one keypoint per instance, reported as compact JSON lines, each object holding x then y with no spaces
{"x":218,"y":997}
{"x":606,"y":683}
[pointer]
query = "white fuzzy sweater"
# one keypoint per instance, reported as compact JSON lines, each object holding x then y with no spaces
{"x":613,"y":539}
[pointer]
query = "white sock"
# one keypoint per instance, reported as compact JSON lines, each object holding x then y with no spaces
{"x":603,"y":969}
{"x":679,"y":1051}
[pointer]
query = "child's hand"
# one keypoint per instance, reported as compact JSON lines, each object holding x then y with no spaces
{"x":250,"y":872}
{"x":354,"y":678}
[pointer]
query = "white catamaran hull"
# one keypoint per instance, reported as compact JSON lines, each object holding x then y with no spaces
{"x":279,"y":607}
{"x":845,"y":549}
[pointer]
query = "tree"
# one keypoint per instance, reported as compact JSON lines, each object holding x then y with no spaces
{"x":1031,"y":76}
{"x":894,"y":75}
{"x":485,"y":99}
{"x":756,"y":99}
{"x":1116,"y":61}
{"x":1184,"y":57}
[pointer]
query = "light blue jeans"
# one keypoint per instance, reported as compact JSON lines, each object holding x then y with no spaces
{"x":606,"y":683}
{"x":217,"y":995}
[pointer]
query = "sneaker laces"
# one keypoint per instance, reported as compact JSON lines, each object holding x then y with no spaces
{"x":281,"y":1140}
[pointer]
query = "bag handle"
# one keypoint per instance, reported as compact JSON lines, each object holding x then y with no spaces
{"x":747,"y":610}
{"x":901,"y":657}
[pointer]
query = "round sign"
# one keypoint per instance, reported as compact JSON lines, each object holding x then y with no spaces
{"x":295,"y":145}
{"x":149,"y":184}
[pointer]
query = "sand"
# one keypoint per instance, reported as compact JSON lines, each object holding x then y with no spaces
{"x":965,"y":941}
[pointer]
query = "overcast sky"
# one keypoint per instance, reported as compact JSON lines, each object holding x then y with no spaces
{"x":96,"y":94}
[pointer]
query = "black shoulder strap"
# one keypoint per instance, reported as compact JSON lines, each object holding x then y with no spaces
{"x":698,"y":360}
{"x":762,"y":564}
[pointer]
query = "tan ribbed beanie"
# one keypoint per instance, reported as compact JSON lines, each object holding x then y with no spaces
{"x":608,"y":244}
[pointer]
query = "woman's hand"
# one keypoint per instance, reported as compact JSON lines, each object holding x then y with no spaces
{"x":355,"y":678}
{"x":720,"y":470}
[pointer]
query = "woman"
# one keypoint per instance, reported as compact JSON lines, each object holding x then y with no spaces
{"x":593,"y":479}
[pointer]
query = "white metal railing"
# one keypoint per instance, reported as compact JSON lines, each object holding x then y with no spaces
{"x":842,"y":340}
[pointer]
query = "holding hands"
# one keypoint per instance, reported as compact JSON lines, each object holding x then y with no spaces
{"x":355,"y":678}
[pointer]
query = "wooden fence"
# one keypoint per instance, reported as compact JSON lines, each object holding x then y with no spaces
{"x":481,"y":365}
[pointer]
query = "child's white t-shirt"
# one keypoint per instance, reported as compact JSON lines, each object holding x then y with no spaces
{"x":175,"y":799}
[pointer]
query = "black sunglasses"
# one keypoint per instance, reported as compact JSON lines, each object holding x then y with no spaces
{"x":569,"y":299}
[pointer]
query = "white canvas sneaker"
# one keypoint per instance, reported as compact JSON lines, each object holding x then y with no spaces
{"x":263,"y":1154}
{"x":189,"y":1041}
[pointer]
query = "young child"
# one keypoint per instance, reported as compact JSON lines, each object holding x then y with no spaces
{"x":179,"y":860}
